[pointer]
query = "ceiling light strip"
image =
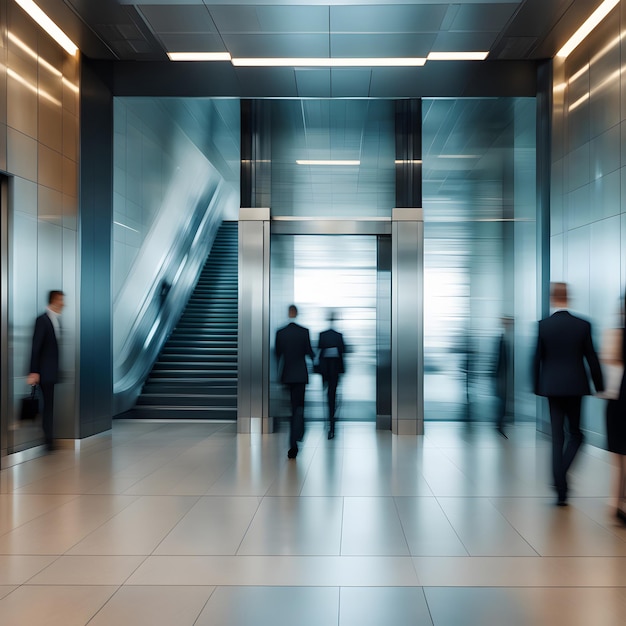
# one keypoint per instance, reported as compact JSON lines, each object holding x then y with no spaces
{"x":48,"y":25}
{"x":326,"y":162}
{"x":199,"y":56}
{"x":457,"y":56}
{"x":329,"y":62}
{"x":590,"y":23}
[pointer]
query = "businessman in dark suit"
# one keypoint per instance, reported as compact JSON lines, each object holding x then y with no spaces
{"x":564,"y":344}
{"x":44,"y":360}
{"x":293,"y":345}
{"x":331,"y":350}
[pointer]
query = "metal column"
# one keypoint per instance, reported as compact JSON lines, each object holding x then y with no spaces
{"x":253,"y":336}
{"x":407,"y":322}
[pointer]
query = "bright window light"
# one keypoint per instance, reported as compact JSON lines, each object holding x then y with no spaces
{"x":329,"y":62}
{"x":48,"y":25}
{"x":326,"y":162}
{"x":457,"y":56}
{"x":199,"y":56}
{"x":592,"y":21}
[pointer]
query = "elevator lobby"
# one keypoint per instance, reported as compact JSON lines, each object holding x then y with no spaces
{"x":184,"y":170}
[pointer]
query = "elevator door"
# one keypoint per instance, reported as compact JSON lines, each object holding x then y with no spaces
{"x":320,"y":274}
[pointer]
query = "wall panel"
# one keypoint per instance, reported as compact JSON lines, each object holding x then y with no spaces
{"x":38,"y":150}
{"x":592,"y":257}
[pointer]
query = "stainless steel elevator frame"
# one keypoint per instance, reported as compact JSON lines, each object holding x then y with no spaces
{"x":406,"y":228}
{"x":5,"y":402}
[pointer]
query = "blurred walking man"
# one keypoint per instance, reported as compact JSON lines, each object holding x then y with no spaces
{"x":563,"y":345}
{"x":293,"y":345}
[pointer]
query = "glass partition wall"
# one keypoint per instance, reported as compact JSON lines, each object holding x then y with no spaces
{"x":479,"y":254}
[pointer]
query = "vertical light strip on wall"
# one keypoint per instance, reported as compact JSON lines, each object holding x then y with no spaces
{"x":48,"y":25}
{"x":590,"y":23}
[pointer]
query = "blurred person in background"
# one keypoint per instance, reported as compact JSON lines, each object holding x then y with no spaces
{"x":331,"y":350}
{"x":504,"y":373}
{"x":44,"y":360}
{"x":612,"y":358}
{"x":293,"y":345}
{"x":564,"y":344}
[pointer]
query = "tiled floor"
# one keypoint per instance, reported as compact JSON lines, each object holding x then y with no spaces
{"x":163,"y":524}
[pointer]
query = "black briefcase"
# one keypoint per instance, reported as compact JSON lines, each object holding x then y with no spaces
{"x":30,"y":406}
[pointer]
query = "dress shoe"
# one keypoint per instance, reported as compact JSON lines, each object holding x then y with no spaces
{"x":621,"y":515}
{"x":561,"y":500}
{"x":292,"y":453}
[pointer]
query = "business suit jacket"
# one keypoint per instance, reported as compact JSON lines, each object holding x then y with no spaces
{"x":293,"y":345}
{"x":331,"y":339}
{"x":563,"y":345}
{"x":44,"y":359}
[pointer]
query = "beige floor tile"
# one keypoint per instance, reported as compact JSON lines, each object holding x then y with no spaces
{"x":53,"y":606}
{"x":153,"y":606}
{"x":17,"y":569}
{"x":521,"y":571}
{"x":5,"y":590}
{"x":427,"y":530}
{"x":559,"y":531}
{"x":482,"y":529}
{"x":373,"y":606}
{"x":371,"y":526}
{"x":215,"y":525}
{"x":275,"y":570}
{"x":295,"y":526}
{"x":525,"y":607}
{"x":138,"y":529}
{"x":57,"y":531}
{"x":16,"y":510}
{"x":278,"y":606}
{"x":88,"y":570}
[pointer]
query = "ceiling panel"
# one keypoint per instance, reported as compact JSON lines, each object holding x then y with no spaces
{"x":313,"y":83}
{"x":178,"y":19}
{"x":404,"y":45}
{"x":192,"y":43}
{"x":456,"y":42}
{"x":483,"y":16}
{"x":270,"y":19}
{"x":292,"y":45}
{"x":350,"y":83}
{"x":300,"y":19}
{"x":387,"y":18}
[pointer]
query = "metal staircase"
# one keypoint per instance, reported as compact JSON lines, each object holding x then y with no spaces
{"x":195,"y":376}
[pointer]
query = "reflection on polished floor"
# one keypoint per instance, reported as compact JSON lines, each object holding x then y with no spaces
{"x":166,"y":524}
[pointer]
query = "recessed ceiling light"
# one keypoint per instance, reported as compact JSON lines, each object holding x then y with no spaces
{"x":326,"y":162}
{"x":590,"y":23}
{"x":329,"y":62}
{"x":199,"y":56}
{"x":48,"y":25}
{"x":457,"y":56}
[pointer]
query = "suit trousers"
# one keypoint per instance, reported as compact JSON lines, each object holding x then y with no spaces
{"x":47,"y":392}
{"x":296,"y":431}
{"x":332,"y":380}
{"x":564,"y":409}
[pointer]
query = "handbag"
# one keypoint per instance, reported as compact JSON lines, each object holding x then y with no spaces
{"x":30,"y":406}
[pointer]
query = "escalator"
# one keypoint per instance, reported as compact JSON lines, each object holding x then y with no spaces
{"x":195,"y":375}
